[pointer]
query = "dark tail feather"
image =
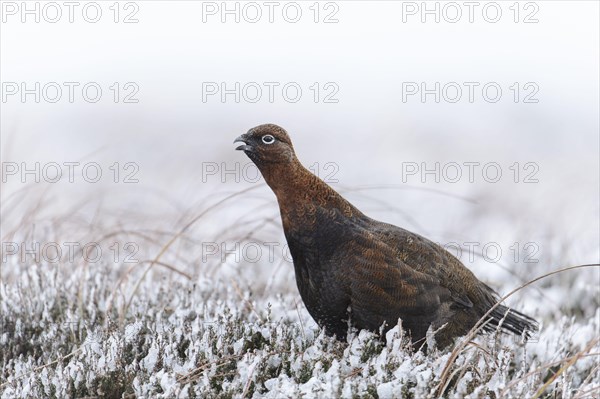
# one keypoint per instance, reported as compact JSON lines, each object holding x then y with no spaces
{"x":512,"y":321}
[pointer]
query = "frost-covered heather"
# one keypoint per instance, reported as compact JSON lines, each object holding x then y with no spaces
{"x":203,"y":326}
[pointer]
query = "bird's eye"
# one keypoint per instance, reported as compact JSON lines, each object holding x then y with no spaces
{"x":268,"y":139}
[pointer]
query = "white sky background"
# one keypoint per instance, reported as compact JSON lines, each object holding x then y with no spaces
{"x":368,"y":134}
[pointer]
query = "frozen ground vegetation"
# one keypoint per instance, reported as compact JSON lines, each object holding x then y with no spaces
{"x":165,"y":319}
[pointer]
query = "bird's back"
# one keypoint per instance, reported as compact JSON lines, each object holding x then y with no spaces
{"x":349,"y":266}
{"x":375,"y":273}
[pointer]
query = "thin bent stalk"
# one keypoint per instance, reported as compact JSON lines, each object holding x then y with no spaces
{"x":175,"y":237}
{"x":445,"y":377}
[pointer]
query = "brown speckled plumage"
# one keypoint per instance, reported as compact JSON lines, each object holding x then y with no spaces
{"x":351,"y":267}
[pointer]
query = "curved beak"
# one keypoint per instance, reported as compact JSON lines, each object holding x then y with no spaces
{"x":245,"y":146}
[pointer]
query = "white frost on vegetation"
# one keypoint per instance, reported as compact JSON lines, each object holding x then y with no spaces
{"x":89,"y":330}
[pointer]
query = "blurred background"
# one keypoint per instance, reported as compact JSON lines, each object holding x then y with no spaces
{"x":373,"y":94}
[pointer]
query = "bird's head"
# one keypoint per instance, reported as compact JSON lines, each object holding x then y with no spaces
{"x":267,"y":144}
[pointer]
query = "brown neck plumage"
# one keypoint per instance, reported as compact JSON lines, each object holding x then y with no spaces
{"x":296,"y":188}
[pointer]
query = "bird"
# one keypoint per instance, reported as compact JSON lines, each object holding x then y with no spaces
{"x":356,"y":272}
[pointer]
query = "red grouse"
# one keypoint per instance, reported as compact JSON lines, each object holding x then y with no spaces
{"x":351,"y":268}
